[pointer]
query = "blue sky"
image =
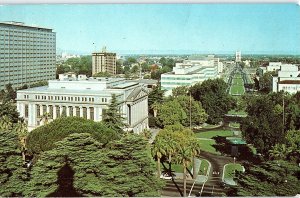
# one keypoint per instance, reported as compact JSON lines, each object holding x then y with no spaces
{"x":142,"y":28}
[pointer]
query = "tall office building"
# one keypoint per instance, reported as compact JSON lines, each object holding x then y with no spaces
{"x":238,"y":56}
{"x":27,"y":54}
{"x":104,"y":62}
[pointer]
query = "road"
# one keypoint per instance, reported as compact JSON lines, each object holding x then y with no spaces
{"x":213,"y":187}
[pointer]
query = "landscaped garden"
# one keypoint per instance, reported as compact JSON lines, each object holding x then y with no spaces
{"x":210,"y":134}
{"x":229,"y":173}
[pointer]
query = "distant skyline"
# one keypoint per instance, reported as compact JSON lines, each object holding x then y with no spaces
{"x":166,"y":28}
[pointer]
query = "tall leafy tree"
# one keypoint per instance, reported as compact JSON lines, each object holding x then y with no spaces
{"x":190,"y":106}
{"x":258,"y":128}
{"x":9,"y":109}
{"x":158,"y":150}
{"x":167,"y":115}
{"x":214,"y":98}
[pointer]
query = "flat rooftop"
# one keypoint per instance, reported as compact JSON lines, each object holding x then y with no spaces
{"x":21,"y":24}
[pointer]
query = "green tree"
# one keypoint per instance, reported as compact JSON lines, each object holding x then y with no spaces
{"x":9,"y":109}
{"x":22,"y":132}
{"x":272,"y":178}
{"x":44,"y":138}
{"x":158,"y":151}
{"x":214,"y":98}
{"x":122,"y":168}
{"x":155,"y":96}
{"x":180,"y":91}
{"x":189,"y":105}
{"x":167,"y":115}
{"x":112,"y":117}
{"x":265,"y":82}
{"x":280,"y":151}
{"x":258,"y":127}
{"x":13,"y":176}
{"x":5,"y":123}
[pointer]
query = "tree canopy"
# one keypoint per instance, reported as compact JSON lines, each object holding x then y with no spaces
{"x":44,"y":138}
{"x":214,"y":98}
{"x":122,"y":168}
{"x":273,"y":178}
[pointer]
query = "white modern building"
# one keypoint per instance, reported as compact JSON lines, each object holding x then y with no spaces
{"x":84,"y":97}
{"x":27,"y":54}
{"x":288,"y":79}
{"x":189,"y":73}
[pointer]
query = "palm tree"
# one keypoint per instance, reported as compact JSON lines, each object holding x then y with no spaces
{"x":5,"y":123}
{"x":45,"y":118}
{"x":184,"y":154}
{"x":195,"y":149}
{"x":22,"y":132}
{"x":155,"y":106}
{"x":158,"y":151}
{"x":170,"y":149}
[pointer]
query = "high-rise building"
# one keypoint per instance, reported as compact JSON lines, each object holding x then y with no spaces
{"x":104,"y":62}
{"x":27,"y":54}
{"x":238,"y":56}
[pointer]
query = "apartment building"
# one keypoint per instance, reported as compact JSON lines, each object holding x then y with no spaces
{"x":27,"y":54}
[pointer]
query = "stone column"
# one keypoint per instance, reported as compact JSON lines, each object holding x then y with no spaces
{"x":88,"y":113}
{"x":48,"y":109}
{"x":60,"y":109}
{"x":74,"y":111}
{"x":41,"y":110}
{"x":97,"y":114}
{"x":31,"y":115}
{"x":54,"y":111}
{"x":67,"y":111}
{"x":81,"y":112}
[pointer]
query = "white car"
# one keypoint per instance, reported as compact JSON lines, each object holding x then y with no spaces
{"x":165,"y":176}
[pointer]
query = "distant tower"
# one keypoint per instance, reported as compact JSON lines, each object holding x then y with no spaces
{"x":238,"y":56}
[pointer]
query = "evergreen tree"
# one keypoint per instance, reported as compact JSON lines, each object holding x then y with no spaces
{"x":12,"y":174}
{"x":112,"y":117}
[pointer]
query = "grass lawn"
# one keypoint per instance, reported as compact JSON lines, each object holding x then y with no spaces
{"x":234,"y":124}
{"x":206,"y":145}
{"x":229,"y":170}
{"x":210,"y":134}
{"x":203,"y":166}
{"x":209,"y":126}
{"x":237,"y":86}
{"x":177,"y":167}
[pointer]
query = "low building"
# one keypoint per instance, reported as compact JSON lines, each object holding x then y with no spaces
{"x":85,"y":97}
{"x":189,"y":73}
{"x":288,"y":79}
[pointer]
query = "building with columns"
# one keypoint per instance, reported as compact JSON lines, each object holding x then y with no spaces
{"x":84,"y":97}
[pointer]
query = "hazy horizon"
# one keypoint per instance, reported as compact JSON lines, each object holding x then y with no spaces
{"x":166,"y":28}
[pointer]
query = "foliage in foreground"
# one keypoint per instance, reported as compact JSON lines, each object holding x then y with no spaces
{"x":44,"y":138}
{"x":122,"y":168}
{"x":273,"y":178}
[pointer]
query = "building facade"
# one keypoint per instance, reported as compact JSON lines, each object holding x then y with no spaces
{"x":288,"y":79}
{"x":85,"y":97}
{"x":189,"y":73}
{"x":104,"y":62}
{"x":27,"y":54}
